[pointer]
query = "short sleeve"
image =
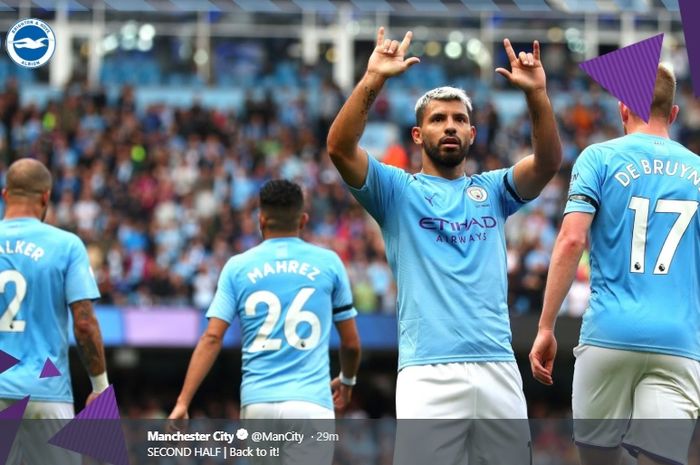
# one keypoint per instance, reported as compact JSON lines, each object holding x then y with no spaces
{"x":501,"y":184}
{"x":224,"y":304}
{"x":382,"y":184}
{"x":585,"y":187}
{"x":80,"y":281}
{"x":343,"y":308}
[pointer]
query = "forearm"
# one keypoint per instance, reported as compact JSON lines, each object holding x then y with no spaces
{"x":349,"y":360}
{"x":545,"y":136}
{"x":347,"y":128}
{"x":562,"y":270}
{"x":88,"y":338}
{"x":203,"y":358}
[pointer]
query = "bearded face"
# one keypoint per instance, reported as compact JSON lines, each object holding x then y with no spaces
{"x":445,"y":133}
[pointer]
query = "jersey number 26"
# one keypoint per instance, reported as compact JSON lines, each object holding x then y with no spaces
{"x":295,"y":315}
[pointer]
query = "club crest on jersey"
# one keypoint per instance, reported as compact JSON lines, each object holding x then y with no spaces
{"x":477,"y":194}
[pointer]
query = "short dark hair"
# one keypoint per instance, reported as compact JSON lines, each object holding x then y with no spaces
{"x":282,"y":202}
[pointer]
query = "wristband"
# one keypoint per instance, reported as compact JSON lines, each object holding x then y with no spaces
{"x":347,"y":381}
{"x":99,"y":382}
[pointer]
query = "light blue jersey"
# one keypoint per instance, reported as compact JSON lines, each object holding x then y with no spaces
{"x":645,"y":244}
{"x":287,"y":293}
{"x":42,"y":270}
{"x":445,"y":243}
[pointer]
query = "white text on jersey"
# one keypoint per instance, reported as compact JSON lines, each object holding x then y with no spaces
{"x":657,"y":167}
{"x":29,"y":249}
{"x":284,"y":266}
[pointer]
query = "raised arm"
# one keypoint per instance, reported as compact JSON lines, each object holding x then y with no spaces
{"x":387,"y":60}
{"x":88,"y":339}
{"x":533,"y":172}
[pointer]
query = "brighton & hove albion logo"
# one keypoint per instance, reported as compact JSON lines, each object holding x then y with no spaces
{"x":477,"y":194}
{"x":30,"y":43}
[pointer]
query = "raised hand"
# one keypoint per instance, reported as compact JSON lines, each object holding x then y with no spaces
{"x":387,"y":59}
{"x":526,"y":71}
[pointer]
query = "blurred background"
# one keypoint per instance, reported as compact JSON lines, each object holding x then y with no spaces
{"x":161,"y":119}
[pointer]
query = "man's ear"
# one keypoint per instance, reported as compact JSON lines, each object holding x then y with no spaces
{"x":262,"y":221}
{"x":417,"y":135}
{"x":303,"y":220}
{"x":675,"y":109}
{"x":624,"y":112}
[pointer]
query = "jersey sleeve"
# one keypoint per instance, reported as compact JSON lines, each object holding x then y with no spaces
{"x":343,"y":308}
{"x":224,"y":304}
{"x":500,"y":182}
{"x":586,"y":184}
{"x":380,"y":189}
{"x":80,"y":281}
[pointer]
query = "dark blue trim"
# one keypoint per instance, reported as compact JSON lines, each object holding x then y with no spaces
{"x":636,"y":450}
{"x":342,"y":309}
{"x":585,"y":198}
{"x":592,"y":446}
{"x":511,"y":191}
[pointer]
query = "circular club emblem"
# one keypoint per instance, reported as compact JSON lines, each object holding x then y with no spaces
{"x":30,"y":43}
{"x":477,"y":194}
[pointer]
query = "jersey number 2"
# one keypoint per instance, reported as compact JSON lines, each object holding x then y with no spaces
{"x":295,"y":315}
{"x":640,"y":205}
{"x":7,"y":319}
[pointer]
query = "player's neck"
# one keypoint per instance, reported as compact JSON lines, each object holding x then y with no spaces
{"x":654,"y":128}
{"x":266,"y":234}
{"x":21,"y":210}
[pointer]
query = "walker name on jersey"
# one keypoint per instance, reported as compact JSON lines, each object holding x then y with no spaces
{"x":18,"y":247}
{"x":633,"y":171}
{"x":283,"y":266}
{"x":469,"y":230}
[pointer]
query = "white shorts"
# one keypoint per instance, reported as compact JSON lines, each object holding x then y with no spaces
{"x":491,"y":390}
{"x":453,"y":412}
{"x":287,"y":417}
{"x":41,"y":421}
{"x":294,"y":409}
{"x":649,"y":401}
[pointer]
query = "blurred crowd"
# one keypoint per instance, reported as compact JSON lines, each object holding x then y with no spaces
{"x":163,"y":196}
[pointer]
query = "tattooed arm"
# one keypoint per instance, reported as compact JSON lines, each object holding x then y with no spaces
{"x":89,"y":342}
{"x":387,"y":60}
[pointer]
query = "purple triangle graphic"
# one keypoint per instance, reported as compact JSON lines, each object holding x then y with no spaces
{"x":690,"y":16}
{"x":7,"y":361}
{"x":49,"y":370}
{"x":96,"y":431}
{"x":629,"y":73}
{"x":10,"y":420}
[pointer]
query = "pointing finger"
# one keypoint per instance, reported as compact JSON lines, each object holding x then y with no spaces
{"x":405,"y":43}
{"x":509,"y":50}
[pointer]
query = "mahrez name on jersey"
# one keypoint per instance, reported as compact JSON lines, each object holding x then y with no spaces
{"x":18,"y":247}
{"x":657,"y":167}
{"x":284,"y":266}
